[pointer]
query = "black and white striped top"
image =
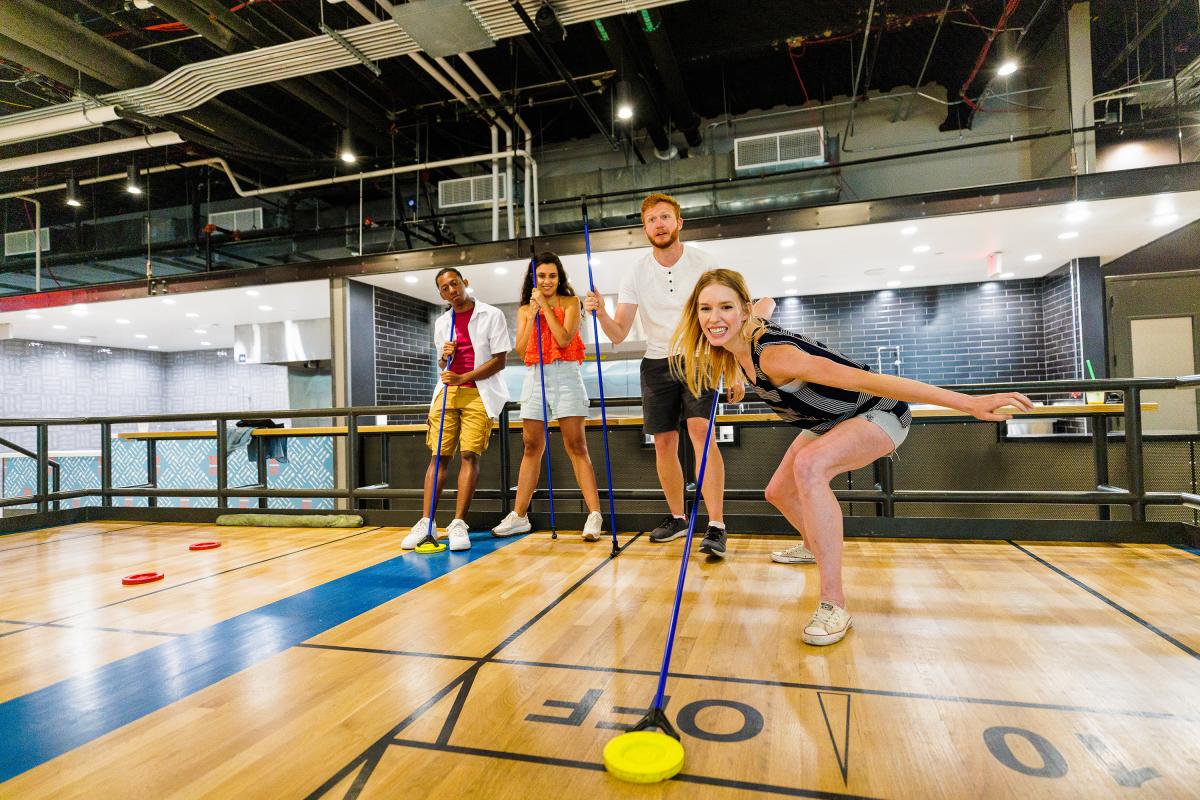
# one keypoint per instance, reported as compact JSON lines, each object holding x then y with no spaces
{"x":814,"y":406}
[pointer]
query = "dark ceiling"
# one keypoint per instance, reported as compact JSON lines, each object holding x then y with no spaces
{"x":731,"y":58}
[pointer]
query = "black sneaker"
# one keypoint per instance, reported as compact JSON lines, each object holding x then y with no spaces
{"x":714,"y":542}
{"x":670,"y":528}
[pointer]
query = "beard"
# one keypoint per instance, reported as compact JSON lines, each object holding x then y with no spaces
{"x":670,"y":242}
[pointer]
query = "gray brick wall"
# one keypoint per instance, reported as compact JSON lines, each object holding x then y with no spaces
{"x":962,"y":333}
{"x":405,"y":367}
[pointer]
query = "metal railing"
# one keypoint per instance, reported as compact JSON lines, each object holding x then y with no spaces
{"x":885,"y":495}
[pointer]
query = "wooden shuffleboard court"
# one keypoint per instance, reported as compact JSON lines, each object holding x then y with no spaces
{"x":325,"y":663}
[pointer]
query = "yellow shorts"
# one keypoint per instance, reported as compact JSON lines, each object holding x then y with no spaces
{"x":467,"y":424}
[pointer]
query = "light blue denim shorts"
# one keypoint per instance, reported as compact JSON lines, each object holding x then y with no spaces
{"x":565,"y":394}
{"x":889,"y":422}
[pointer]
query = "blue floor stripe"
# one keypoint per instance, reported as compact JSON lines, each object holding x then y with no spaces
{"x":49,"y":722}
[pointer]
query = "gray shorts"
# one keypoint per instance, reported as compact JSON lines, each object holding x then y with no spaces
{"x":890,"y":423}
{"x":565,"y":393}
{"x":666,"y":400}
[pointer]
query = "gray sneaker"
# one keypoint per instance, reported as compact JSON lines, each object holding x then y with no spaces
{"x":714,"y":542}
{"x":670,"y":528}
{"x":798,"y":554}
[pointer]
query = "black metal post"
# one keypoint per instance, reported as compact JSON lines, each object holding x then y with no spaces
{"x":260,"y":446}
{"x":1136,"y":482}
{"x":1100,"y":457}
{"x":222,"y":466}
{"x":352,"y":481}
{"x":152,"y":470}
{"x":504,"y":499}
{"x":887,"y":485}
{"x":43,"y":467}
{"x":105,"y":463}
{"x":385,"y":466}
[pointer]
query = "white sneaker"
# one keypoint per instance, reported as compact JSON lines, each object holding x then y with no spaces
{"x":459,"y":535}
{"x":512,"y":525}
{"x":794,"y":555}
{"x":828,"y":625}
{"x":417,"y":534}
{"x":593,"y":527}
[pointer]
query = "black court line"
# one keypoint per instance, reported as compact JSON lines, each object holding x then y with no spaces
{"x":766,"y":788}
{"x":987,"y":701}
{"x":370,"y":757}
{"x":73,"y":538}
{"x":201,"y":578}
{"x":1111,"y":603}
{"x":32,"y":624}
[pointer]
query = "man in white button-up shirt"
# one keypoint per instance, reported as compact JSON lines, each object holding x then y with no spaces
{"x":471,"y":362}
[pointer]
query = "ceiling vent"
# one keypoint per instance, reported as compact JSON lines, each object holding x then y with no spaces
{"x":798,"y":148}
{"x":20,"y":243}
{"x":470,"y":191}
{"x":244,"y":219}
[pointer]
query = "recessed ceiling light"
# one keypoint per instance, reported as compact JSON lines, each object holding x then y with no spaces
{"x":252,"y":293}
{"x":192,"y":315}
{"x":79,"y":310}
{"x":893,"y":283}
{"x":1163,"y":220}
{"x":1006,"y":274}
{"x":200,"y":331}
{"x":921,"y":248}
{"x":908,"y":230}
{"x":470,"y":290}
{"x":907,"y":268}
{"x":1034,"y":257}
{"x":140,"y":336}
{"x":410,"y":278}
{"x":151,"y":347}
{"x":1068,"y":235}
{"x":501,"y":270}
{"x":206,"y":344}
{"x":1077,"y":212}
{"x":86,"y":339}
{"x":266,"y":308}
{"x":786,"y":242}
{"x":33,"y":316}
{"x":789,"y":278}
{"x":597,"y":261}
{"x":122,"y":322}
{"x":60,"y":327}
{"x":787,"y":262}
{"x":169,"y":301}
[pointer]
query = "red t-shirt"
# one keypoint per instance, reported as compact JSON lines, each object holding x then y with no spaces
{"x":464,"y":352}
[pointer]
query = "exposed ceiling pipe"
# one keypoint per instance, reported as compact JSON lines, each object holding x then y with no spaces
{"x":197,"y":83}
{"x":231,"y":34}
{"x":235,"y":179}
{"x":89,"y":151}
{"x":79,"y":48}
{"x":12,"y":50}
{"x":663,"y":55}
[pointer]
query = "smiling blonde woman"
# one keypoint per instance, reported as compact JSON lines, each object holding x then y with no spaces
{"x":848,"y":417}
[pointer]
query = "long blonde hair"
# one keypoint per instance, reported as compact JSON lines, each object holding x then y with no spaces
{"x":693,"y":359}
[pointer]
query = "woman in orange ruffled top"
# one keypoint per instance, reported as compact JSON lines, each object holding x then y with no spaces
{"x":556,"y":307}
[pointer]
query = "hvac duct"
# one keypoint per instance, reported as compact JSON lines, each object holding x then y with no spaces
{"x":624,"y":60}
{"x":80,"y":49}
{"x":665,"y":63}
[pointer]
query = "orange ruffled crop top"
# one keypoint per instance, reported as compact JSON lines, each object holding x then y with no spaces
{"x":551,"y":352}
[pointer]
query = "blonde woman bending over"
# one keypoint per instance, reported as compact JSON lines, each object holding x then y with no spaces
{"x":849,"y":416}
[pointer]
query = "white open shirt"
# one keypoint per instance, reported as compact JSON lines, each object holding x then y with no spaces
{"x":488,"y":330}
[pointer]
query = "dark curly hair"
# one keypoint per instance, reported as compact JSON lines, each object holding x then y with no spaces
{"x":545,"y":257}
